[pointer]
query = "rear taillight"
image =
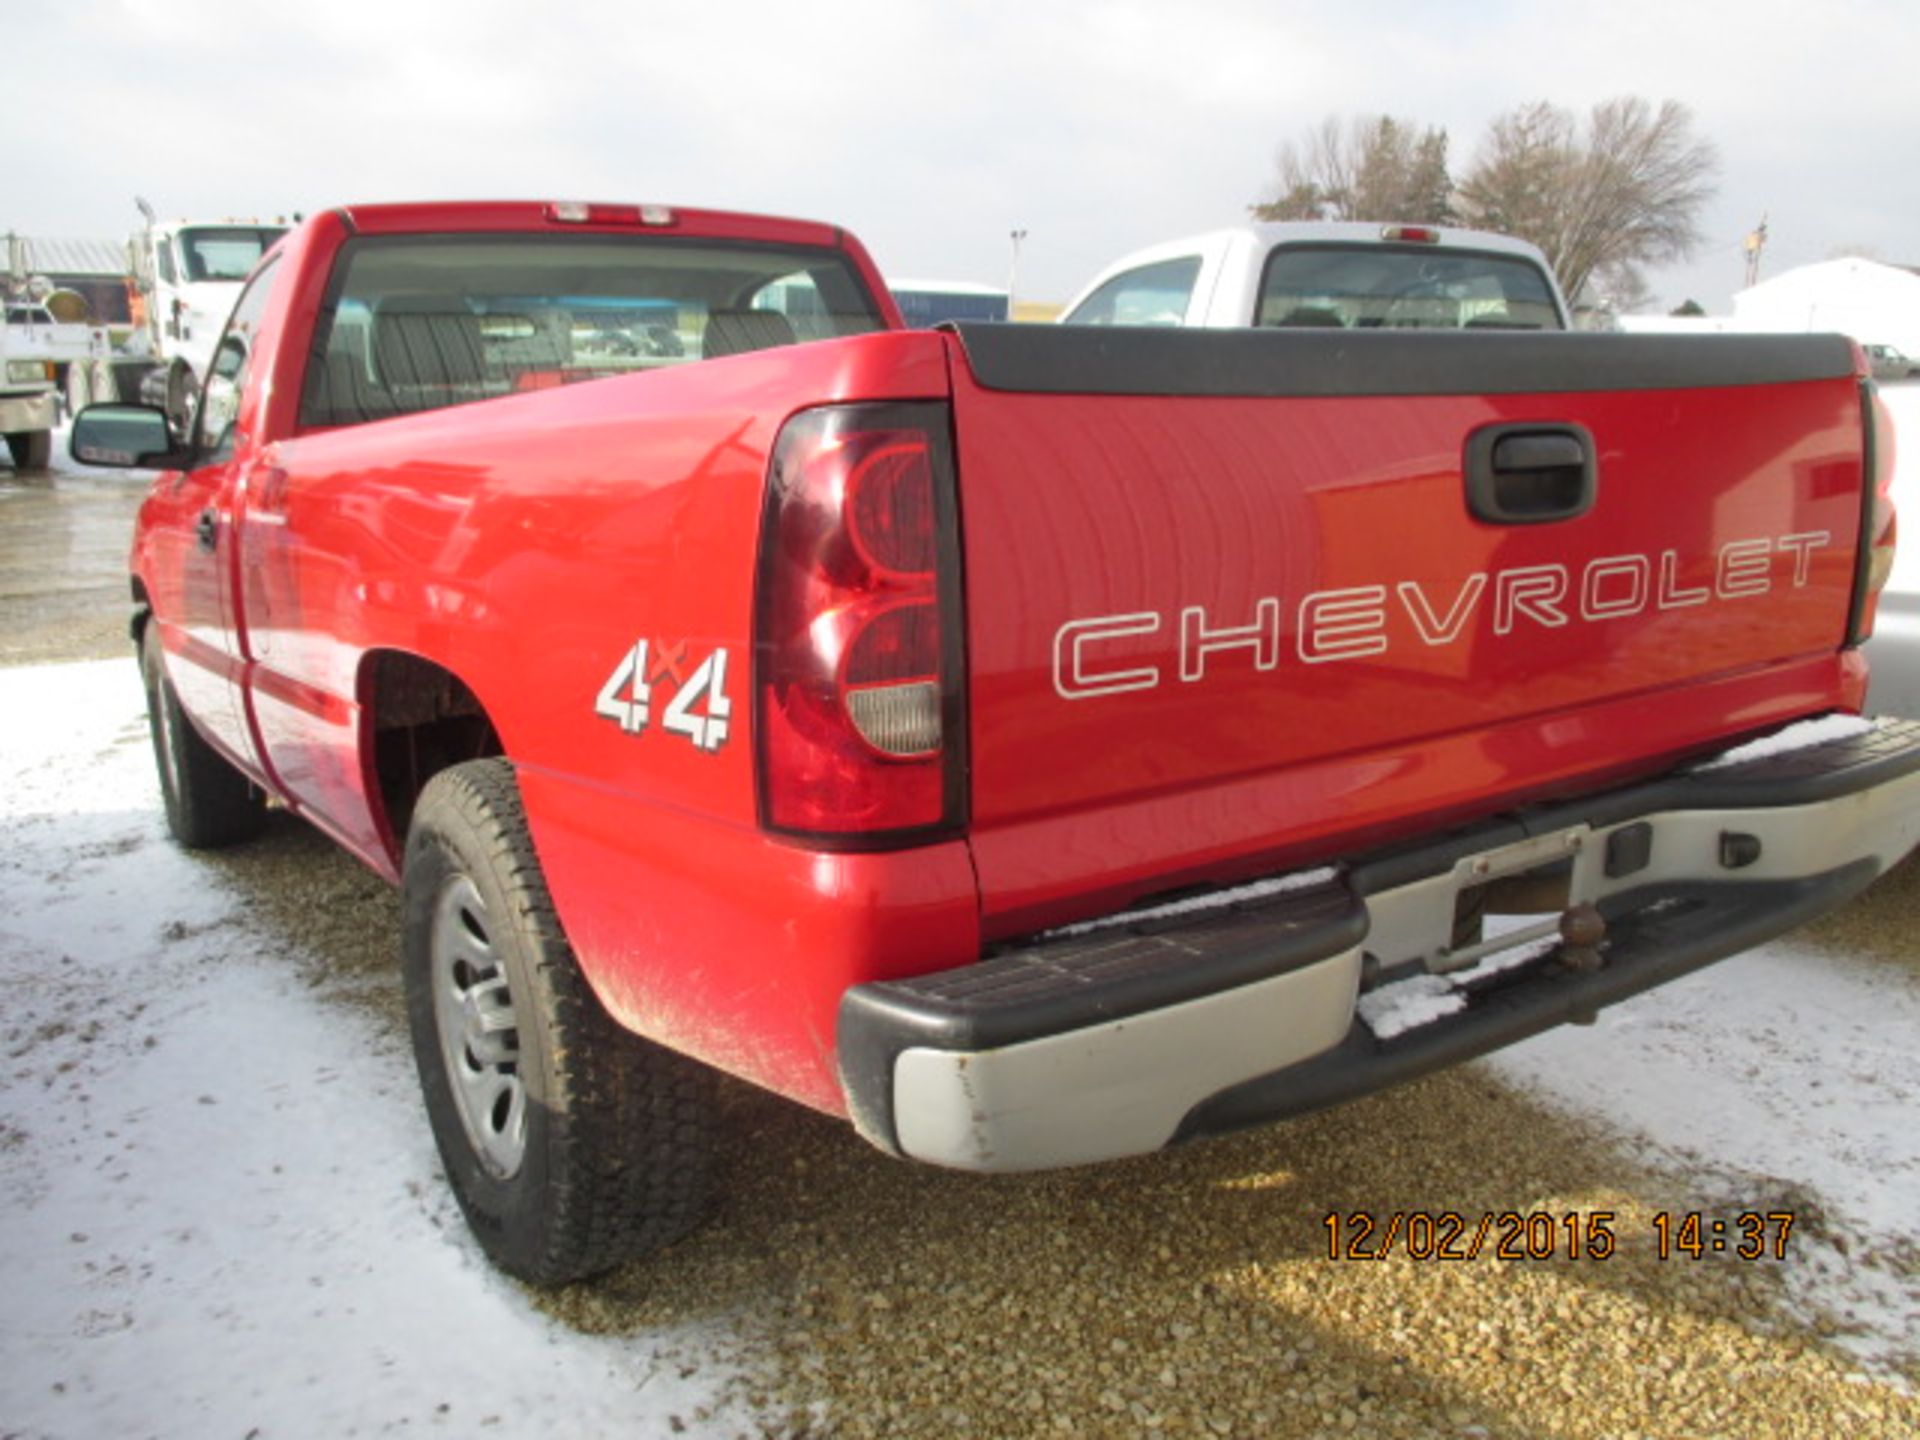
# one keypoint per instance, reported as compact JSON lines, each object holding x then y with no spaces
{"x":857,"y":644}
{"x":1878,"y":529}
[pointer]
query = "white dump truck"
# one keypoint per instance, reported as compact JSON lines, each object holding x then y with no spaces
{"x":187,"y":274}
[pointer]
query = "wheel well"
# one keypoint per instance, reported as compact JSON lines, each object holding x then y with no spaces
{"x":142,"y":610}
{"x":418,"y":720}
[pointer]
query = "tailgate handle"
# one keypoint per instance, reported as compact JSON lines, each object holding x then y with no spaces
{"x":1530,"y":473}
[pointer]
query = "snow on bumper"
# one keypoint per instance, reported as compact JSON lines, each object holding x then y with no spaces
{"x":1091,"y":1045}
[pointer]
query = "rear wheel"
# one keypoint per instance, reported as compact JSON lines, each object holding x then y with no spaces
{"x":101,"y":382}
{"x":31,"y":450}
{"x":129,"y":377}
{"x":182,"y":394}
{"x":571,"y":1144}
{"x":209,"y":803}
{"x":79,"y":387}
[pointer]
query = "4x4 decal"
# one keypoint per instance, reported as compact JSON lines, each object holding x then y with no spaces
{"x":698,"y":708}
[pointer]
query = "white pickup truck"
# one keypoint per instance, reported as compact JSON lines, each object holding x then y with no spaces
{"x":1329,"y":275}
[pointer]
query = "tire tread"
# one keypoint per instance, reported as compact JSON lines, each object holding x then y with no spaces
{"x":627,"y":1120}
{"x":214,"y":805}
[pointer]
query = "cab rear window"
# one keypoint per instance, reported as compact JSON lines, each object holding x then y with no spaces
{"x":1365,"y":287}
{"x":420,"y":322}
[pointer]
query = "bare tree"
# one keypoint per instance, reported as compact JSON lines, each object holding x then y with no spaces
{"x":1619,"y":288}
{"x":1520,"y":171}
{"x":1601,"y":203}
{"x":1372,"y":168}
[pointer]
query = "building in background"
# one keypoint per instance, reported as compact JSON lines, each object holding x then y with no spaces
{"x":1876,"y":304}
{"x":926,"y":303}
{"x":95,"y":270}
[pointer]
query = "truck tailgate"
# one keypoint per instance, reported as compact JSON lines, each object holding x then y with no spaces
{"x":1229,"y":604}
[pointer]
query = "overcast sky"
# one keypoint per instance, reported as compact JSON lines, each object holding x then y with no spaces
{"x":932,"y":130}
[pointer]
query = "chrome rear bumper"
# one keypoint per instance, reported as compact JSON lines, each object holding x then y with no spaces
{"x":1144,"y":1032}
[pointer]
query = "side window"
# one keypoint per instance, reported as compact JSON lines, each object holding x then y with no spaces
{"x":227,"y":376}
{"x":797,"y":297}
{"x":1151,"y":295}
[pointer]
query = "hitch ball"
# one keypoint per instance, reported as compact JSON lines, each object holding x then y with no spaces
{"x":1582,"y":930}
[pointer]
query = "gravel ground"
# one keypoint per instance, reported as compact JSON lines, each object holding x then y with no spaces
{"x":1193,"y":1293}
{"x":1190,"y":1293}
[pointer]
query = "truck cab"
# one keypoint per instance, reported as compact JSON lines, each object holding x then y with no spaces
{"x":188,"y":273}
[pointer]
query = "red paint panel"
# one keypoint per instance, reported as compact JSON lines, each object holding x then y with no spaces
{"x":527,"y":545}
{"x":1350,"y":704}
{"x":722,"y":942}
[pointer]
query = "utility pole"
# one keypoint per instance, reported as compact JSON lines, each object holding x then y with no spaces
{"x":17,"y":263}
{"x":1013,"y":272}
{"x":1755,"y":243}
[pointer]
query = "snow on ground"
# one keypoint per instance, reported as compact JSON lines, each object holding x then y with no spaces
{"x":1782,"y":1072}
{"x":186,"y":1250}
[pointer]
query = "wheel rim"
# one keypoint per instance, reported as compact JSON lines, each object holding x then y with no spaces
{"x":163,"y":725}
{"x":479,"y":1030}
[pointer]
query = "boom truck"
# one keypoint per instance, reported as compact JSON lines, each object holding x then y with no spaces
{"x":44,"y":356}
{"x":1035,"y":744}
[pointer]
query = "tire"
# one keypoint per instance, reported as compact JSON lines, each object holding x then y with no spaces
{"x":31,"y":450}
{"x":182,"y":394}
{"x":128,"y":378}
{"x":79,"y":387}
{"x":101,"y":382}
{"x":209,"y":804}
{"x":570,"y":1143}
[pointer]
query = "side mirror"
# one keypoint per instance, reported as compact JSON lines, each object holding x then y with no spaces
{"x":127,"y":437}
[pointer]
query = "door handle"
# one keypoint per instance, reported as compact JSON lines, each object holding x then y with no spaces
{"x":208,"y":529}
{"x":1530,"y":473}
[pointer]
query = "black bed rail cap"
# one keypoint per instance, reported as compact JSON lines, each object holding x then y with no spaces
{"x":1121,"y":360}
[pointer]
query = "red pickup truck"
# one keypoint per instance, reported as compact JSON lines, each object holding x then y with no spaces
{"x":1035,"y":744}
